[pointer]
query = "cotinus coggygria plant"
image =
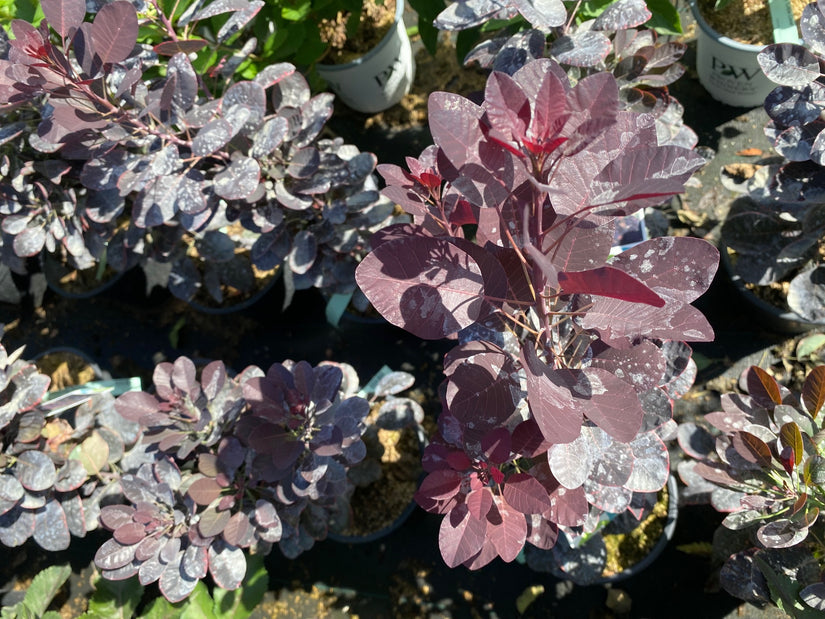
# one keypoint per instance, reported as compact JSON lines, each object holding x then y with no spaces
{"x":119,"y":152}
{"x":230,"y":465}
{"x":761,"y":461}
{"x":557,"y":397}
{"x":618,"y":36}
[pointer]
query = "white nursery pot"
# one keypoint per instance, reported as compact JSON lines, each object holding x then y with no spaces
{"x":379,"y":79}
{"x":728,"y":69}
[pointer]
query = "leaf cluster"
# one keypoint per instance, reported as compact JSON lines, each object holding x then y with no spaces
{"x":121,"y":152}
{"x":557,"y":398}
{"x":229,"y":464}
{"x":618,"y":37}
{"x":783,"y":214}
{"x":761,"y":462}
{"x":55,"y":469}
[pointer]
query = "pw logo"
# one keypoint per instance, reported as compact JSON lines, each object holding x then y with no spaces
{"x":722,"y":68}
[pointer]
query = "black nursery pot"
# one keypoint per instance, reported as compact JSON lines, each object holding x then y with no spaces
{"x":776,"y":319}
{"x":56,"y":271}
{"x":395,"y":524}
{"x":67,"y":353}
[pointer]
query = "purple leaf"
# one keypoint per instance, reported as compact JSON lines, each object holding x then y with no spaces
{"x":64,"y":15}
{"x":188,"y":46}
{"x":608,"y":281}
{"x":461,"y":536}
{"x":220,"y":6}
{"x":16,"y":526}
{"x":570,"y":462}
{"x":496,"y":445}
{"x":466,"y":14}
{"x":204,"y":490}
{"x":10,"y":489}
{"x":227,"y":565}
{"x":752,"y":448}
{"x":683,"y":267}
{"x":133,"y":405}
{"x":622,"y":14}
{"x":549,"y":394}
{"x":174,"y":583}
{"x":35,"y":471}
{"x":112,"y":555}
{"x":581,"y":49}
{"x":212,"y":522}
{"x":238,"y":531}
{"x":212,"y":136}
{"x":525,"y":494}
{"x":129,"y":533}
{"x":509,"y":535}
{"x":114,"y":516}
{"x":394,"y":383}
{"x":51,"y":529}
{"x":423,"y":284}
{"x":781,"y":533}
{"x":239,"y":180}
{"x":454,"y":124}
{"x":568,"y":507}
{"x":195,"y":562}
{"x":542,"y":14}
{"x":439,"y":485}
{"x":114,"y":31}
{"x":29,"y":242}
{"x":481,"y":376}
{"x":789,"y":65}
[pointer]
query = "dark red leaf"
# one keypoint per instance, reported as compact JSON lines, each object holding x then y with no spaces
{"x":441,"y":484}
{"x":129,"y":533}
{"x":509,"y":534}
{"x":763,"y":387}
{"x":608,"y":281}
{"x":751,"y":448}
{"x":813,"y":391}
{"x":64,"y":15}
{"x":114,"y":31}
{"x":423,"y":284}
{"x":461,"y":536}
{"x":496,"y":445}
{"x":525,"y":494}
{"x":479,"y":502}
{"x":188,"y":46}
{"x":204,"y":490}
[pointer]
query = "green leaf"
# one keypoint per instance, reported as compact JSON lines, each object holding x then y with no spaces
{"x":791,"y":437}
{"x":311,"y":46}
{"x":40,"y":593}
{"x":297,"y":12}
{"x":114,"y":598}
{"x":665,"y":19}
{"x":785,"y":592}
{"x":592,"y":9}
{"x":465,"y":41}
{"x":427,"y":11}
{"x":93,"y":453}
{"x":809,"y":345}
{"x":239,"y":603}
{"x":161,"y":608}
{"x":198,"y":605}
